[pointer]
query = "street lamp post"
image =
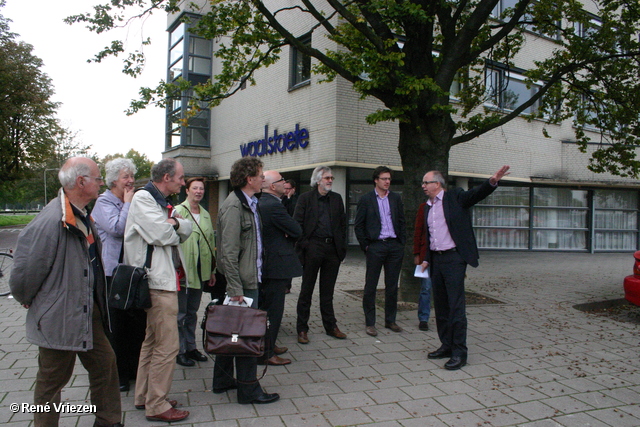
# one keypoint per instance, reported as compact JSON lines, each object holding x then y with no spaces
{"x":45,"y":183}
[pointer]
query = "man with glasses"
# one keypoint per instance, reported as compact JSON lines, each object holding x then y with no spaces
{"x":447,"y":244}
{"x":380,"y":229}
{"x":63,"y":286}
{"x":279,"y":234}
{"x":290,"y":198}
{"x":323,"y":246}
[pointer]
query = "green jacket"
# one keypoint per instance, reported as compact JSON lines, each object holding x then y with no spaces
{"x":196,"y":246}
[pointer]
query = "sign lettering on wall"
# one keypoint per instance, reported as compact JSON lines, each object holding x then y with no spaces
{"x":277,"y":143}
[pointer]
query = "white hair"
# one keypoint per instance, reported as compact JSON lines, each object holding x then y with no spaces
{"x":70,"y":172}
{"x":316,"y":175}
{"x":113,"y":167}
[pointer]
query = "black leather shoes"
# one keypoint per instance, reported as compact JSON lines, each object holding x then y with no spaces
{"x":223,"y":389}
{"x":423,"y":326}
{"x":262,"y":399}
{"x":196,"y":355}
{"x":124,"y":386}
{"x":183,"y":360}
{"x":455,"y":363}
{"x":441,"y":353}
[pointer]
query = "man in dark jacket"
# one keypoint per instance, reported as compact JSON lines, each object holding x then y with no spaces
{"x":380,"y":229}
{"x":63,"y":286}
{"x":448,"y":245}
{"x":279,"y":233}
{"x":323,"y":246}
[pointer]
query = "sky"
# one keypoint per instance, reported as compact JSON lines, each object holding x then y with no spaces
{"x":94,"y":96}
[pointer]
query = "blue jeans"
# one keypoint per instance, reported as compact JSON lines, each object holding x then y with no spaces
{"x":424,"y":300}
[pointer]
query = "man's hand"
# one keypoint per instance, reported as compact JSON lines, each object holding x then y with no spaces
{"x":212,"y":280}
{"x":239,"y":298}
{"x":504,"y":170}
{"x":424,"y":265}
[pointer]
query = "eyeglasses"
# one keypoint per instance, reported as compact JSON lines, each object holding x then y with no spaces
{"x":280,"y":180}
{"x":428,"y":182}
{"x":328,"y":178}
{"x":97,"y":178}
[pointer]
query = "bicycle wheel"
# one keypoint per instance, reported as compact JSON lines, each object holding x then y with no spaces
{"x":6,"y":264}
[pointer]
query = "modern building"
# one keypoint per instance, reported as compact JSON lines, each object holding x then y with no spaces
{"x":551,"y":201}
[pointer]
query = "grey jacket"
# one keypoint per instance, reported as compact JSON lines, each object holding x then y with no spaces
{"x":52,"y":273}
{"x":237,"y":244}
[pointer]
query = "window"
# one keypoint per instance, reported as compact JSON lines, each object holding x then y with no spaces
{"x":615,"y":220}
{"x":502,"y":219}
{"x":300,"y":65}
{"x":504,"y":5}
{"x":189,"y":59}
{"x":507,"y":89}
{"x":560,"y":218}
{"x":585,"y":29}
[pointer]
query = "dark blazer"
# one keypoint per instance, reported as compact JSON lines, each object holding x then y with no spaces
{"x":368,"y":225}
{"x":457,"y":205}
{"x":306,"y":214}
{"x":279,"y":234}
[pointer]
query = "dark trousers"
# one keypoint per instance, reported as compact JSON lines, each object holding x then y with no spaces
{"x":272,"y":301}
{"x":246,"y":368}
{"x":387,"y":254}
{"x":447,"y":276}
{"x":188,"y":306}
{"x":55,"y":368}
{"x":319,"y":257}
{"x":127,"y":334}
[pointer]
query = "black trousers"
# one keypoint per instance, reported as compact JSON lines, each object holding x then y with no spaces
{"x":447,"y":276}
{"x":387,"y":254}
{"x":320,"y":257}
{"x":272,"y":293}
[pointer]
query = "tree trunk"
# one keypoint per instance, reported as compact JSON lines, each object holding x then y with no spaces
{"x":421,"y":150}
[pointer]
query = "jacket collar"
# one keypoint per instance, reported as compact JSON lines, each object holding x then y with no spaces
{"x":243,"y":199}
{"x":165,"y":202}
{"x":68,"y":217}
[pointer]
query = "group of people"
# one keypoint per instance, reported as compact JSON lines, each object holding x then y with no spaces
{"x":266,"y":235}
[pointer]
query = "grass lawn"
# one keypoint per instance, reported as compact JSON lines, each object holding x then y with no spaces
{"x":8,"y":220}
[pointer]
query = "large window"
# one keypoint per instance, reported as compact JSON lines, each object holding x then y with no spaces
{"x":189,"y":59}
{"x":507,"y":89}
{"x":502,"y":219}
{"x":300,"y":65}
{"x":616,"y":220}
{"x":560,"y":218}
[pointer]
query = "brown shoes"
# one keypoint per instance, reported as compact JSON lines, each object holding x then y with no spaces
{"x":173,"y":404}
{"x":170,"y":416}
{"x":393,"y":326}
{"x":371,"y":330}
{"x":303,"y":338}
{"x":280,"y":350}
{"x":274,"y":361}
{"x":336,"y":333}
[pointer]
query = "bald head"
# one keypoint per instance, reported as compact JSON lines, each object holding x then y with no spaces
{"x":273,"y":183}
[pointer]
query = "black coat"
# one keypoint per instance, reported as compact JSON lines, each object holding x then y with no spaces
{"x":367,"y":224}
{"x":279,"y":234}
{"x":306,"y":214}
{"x":456,"y":205}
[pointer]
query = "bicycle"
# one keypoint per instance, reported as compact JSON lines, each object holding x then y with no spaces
{"x":6,"y":265}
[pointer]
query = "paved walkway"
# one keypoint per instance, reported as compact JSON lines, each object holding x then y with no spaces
{"x":533,"y":361}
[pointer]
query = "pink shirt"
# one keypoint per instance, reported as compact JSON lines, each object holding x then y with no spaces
{"x":439,"y":236}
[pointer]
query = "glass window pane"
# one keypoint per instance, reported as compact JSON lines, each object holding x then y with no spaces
{"x":559,"y":197}
{"x":560,"y":239}
{"x":500,"y":216}
{"x":175,"y":71}
{"x":176,"y":52}
{"x":198,"y":137}
{"x":200,"y":65}
{"x":502,"y":238}
{"x":513,"y":196}
{"x":559,"y":218}
{"x":177,"y":34}
{"x":616,"y":220}
{"x":615,"y":240}
{"x":200,"y":47}
{"x":615,"y":199}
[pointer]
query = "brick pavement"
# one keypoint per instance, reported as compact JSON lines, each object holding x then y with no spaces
{"x":533,"y":361}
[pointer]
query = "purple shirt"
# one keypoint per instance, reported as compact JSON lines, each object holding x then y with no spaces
{"x":439,"y":236}
{"x":253,"y":203}
{"x":110,"y":216}
{"x":386,"y":224}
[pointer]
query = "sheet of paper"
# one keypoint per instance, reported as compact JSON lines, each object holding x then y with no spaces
{"x":422,"y":274}
{"x":247,"y":302}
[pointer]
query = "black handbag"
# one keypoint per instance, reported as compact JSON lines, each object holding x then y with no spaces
{"x":129,"y":286}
